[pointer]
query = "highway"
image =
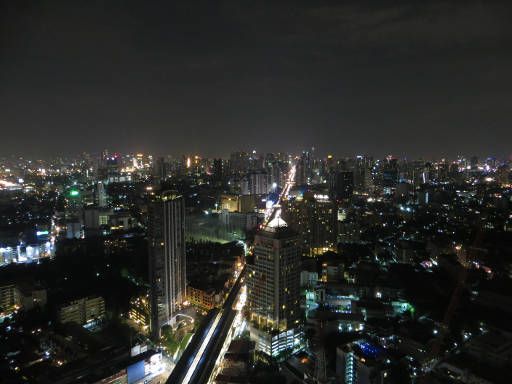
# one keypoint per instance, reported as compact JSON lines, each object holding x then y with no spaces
{"x":275,"y":209}
{"x":198,"y":361}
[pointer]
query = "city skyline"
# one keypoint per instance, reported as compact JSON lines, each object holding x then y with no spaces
{"x":318,"y":154}
{"x":294,"y":191}
{"x":335,"y":269}
{"x":412,"y":78}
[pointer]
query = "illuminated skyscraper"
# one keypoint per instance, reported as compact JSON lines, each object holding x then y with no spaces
{"x":167,"y":265}
{"x":274,"y":289}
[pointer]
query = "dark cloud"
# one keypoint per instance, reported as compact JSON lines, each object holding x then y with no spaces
{"x":408,"y":77}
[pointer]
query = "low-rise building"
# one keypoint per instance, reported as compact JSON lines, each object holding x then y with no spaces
{"x":360,"y":362}
{"x":14,"y":297}
{"x":83,"y":311}
{"x":140,"y":312}
{"x":8,"y":300}
{"x":204,"y":299}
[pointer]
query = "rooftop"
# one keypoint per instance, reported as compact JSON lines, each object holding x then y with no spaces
{"x":276,"y":222}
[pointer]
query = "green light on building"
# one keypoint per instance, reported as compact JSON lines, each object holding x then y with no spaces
{"x":74,"y":193}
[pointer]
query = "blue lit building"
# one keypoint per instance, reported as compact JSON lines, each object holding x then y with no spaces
{"x":360,"y":362}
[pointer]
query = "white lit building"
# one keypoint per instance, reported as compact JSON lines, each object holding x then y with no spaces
{"x":273,"y":288}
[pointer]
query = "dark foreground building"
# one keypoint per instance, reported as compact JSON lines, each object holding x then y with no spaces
{"x":167,"y":266}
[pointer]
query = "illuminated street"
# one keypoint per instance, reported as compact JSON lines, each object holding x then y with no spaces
{"x":274,"y":210}
{"x":201,"y":357}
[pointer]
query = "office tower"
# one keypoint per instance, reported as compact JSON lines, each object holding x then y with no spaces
{"x":341,"y":185}
{"x":274,"y":290}
{"x":167,"y":266}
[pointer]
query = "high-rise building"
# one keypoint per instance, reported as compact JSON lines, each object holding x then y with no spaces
{"x":239,"y":162}
{"x":300,"y":173}
{"x":161,"y":169}
{"x":389,"y":174}
{"x":167,"y":265}
{"x":255,"y":183}
{"x":314,"y":218}
{"x":362,"y":173}
{"x":341,"y":185}
{"x":255,"y":161}
{"x":218,"y":171}
{"x":274,"y":290}
{"x":304,"y":170}
{"x":101,"y":195}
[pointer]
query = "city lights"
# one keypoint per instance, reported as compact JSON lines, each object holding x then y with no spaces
{"x":246,"y":192}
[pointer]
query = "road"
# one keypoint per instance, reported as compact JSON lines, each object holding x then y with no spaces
{"x":198,"y":361}
{"x":275,"y":210}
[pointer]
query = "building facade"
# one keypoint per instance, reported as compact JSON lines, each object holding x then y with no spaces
{"x":341,"y":185}
{"x":274,"y":289}
{"x":359,"y":363}
{"x":314,"y":218}
{"x":140,"y":312}
{"x":83,"y":311}
{"x":205,"y":300}
{"x":255,"y":183}
{"x":167,"y":265}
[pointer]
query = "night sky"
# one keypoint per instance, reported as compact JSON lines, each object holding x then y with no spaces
{"x":410,"y":78}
